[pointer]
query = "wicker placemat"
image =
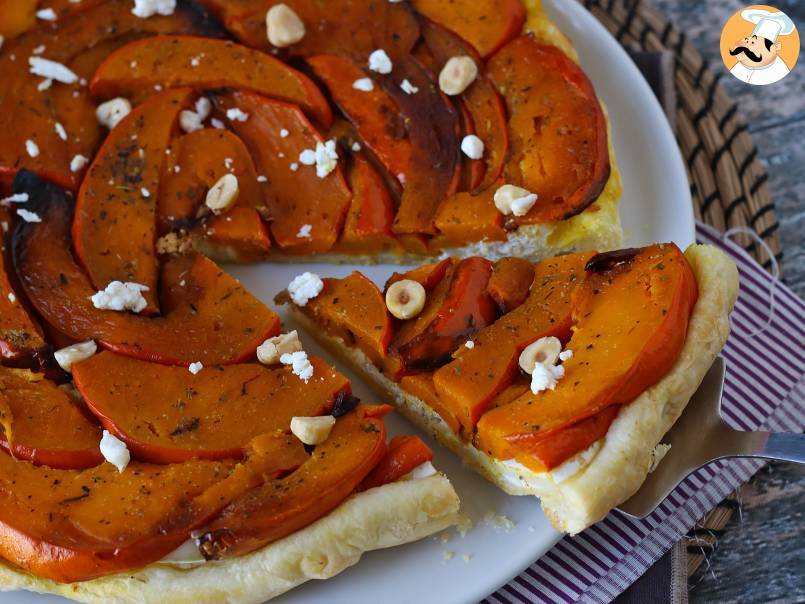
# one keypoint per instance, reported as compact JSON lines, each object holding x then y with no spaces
{"x":727,"y":181}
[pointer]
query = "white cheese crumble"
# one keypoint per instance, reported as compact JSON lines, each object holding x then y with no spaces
{"x":78,"y":162}
{"x":121,"y":296}
{"x":149,"y":8}
{"x":379,"y":61}
{"x":69,"y":356}
{"x":31,"y":148}
{"x":284,"y":133}
{"x":356,"y":146}
{"x":364,"y":85}
{"x":469,"y":344}
{"x":408,"y":87}
{"x":326,"y":158}
{"x":111,"y":112}
{"x":145,"y":192}
{"x":270,"y":351}
{"x":15,"y":198}
{"x":28,"y":216}
{"x":565,"y":355}
{"x":115,"y":451}
{"x":472,"y":146}
{"x":304,"y":288}
{"x":194,"y":368}
{"x":45,"y":84}
{"x":300,"y":365}
{"x":304,"y":231}
{"x":294,"y":167}
{"x":46,"y":14}
{"x":545,"y":377}
{"x":236,"y":115}
{"x":307,"y":157}
{"x":51,"y":69}
{"x":216,"y":123}
{"x":11,"y":297}
{"x":262,"y":178}
{"x":60,"y":131}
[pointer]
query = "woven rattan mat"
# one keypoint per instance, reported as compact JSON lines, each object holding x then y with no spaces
{"x":727,"y":181}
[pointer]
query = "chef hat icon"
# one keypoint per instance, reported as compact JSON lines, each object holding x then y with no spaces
{"x":768,"y":24}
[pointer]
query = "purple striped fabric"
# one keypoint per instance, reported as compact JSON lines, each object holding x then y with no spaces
{"x":604,"y":560}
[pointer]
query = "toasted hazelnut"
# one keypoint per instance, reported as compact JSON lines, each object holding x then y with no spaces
{"x":312,"y":430}
{"x":270,"y":351}
{"x":514,"y":200}
{"x":457,"y":74}
{"x":223,"y":194}
{"x":111,"y":112}
{"x":405,"y":298}
{"x":283,"y":26}
{"x":544,"y":351}
{"x":67,"y":357}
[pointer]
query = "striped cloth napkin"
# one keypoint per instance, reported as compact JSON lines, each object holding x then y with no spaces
{"x":601,"y":562}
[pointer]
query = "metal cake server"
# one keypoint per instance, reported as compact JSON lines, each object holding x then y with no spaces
{"x":700,"y":436}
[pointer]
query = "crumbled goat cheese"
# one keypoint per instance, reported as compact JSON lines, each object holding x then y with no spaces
{"x":16,"y":198}
{"x":326,"y":158}
{"x":472,"y":146}
{"x":145,"y":192}
{"x":11,"y":297}
{"x":304,"y":231}
{"x":45,"y":84}
{"x":194,"y":368}
{"x":469,"y":344}
{"x":236,"y":115}
{"x":270,"y":351}
{"x":115,"y":451}
{"x":565,"y":355}
{"x":32,"y":148}
{"x":545,"y":377}
{"x":51,"y":69}
{"x":39,"y":49}
{"x":284,"y":133}
{"x":121,"y":296}
{"x":356,"y":146}
{"x":28,"y":216}
{"x":46,"y":14}
{"x":408,"y":87}
{"x":300,"y":365}
{"x":364,"y":85}
{"x":69,"y":356}
{"x":262,"y":178}
{"x":379,"y":61}
{"x":294,"y":167}
{"x":148,"y":8}
{"x":304,"y":288}
{"x":307,"y":157}
{"x":216,"y":123}
{"x":60,"y":131}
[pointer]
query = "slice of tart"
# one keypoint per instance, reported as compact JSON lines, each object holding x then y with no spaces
{"x":556,"y":379}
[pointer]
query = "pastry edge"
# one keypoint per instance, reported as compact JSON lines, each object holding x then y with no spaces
{"x":620,"y":465}
{"x":382,"y":517}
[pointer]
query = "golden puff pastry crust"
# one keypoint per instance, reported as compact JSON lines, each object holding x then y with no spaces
{"x":385,"y":516}
{"x":615,"y":467}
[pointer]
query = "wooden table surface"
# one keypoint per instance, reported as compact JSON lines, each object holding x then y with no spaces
{"x":761,"y":557}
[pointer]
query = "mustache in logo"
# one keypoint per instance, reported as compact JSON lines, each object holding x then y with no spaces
{"x":749,"y":54}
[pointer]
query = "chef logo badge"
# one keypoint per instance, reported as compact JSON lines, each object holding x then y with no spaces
{"x":759,"y":45}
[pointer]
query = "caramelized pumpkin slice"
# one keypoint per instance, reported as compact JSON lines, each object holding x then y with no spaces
{"x":41,"y":423}
{"x":403,"y":454}
{"x":238,"y":236}
{"x":204,"y":63}
{"x":374,"y":114}
{"x":510,"y":283}
{"x":27,"y":113}
{"x":481,"y":100}
{"x":336,"y":467}
{"x":353,"y":309}
{"x":167,"y":415}
{"x":630,"y":325}
{"x":465,"y":218}
{"x":16,"y":16}
{"x":296,"y":198}
{"x":207,"y":315}
{"x":469,"y":383}
{"x":466,"y":308}
{"x":557,"y":127}
{"x":486,"y":24}
{"x":20,"y":336}
{"x":114,"y":230}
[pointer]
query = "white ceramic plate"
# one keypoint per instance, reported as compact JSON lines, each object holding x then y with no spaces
{"x":655,"y":207}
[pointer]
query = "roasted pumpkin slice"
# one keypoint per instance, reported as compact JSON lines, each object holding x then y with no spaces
{"x":465,"y":309}
{"x":481,"y":99}
{"x":114,"y":230}
{"x":41,"y":423}
{"x":20,"y":336}
{"x":353,"y":309}
{"x":486,"y":24}
{"x":307,"y":210}
{"x":166,"y":415}
{"x":403,"y":454}
{"x":558,"y":131}
{"x":374,"y":113}
{"x":469,"y":383}
{"x":204,"y":63}
{"x":510,"y":283}
{"x":237,"y":236}
{"x":49,"y":518}
{"x":28,"y":114}
{"x":207,"y":316}
{"x":280,"y":507}
{"x":427,"y":275}
{"x":629,"y":327}
{"x":465,"y":218}
{"x":16,"y":17}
